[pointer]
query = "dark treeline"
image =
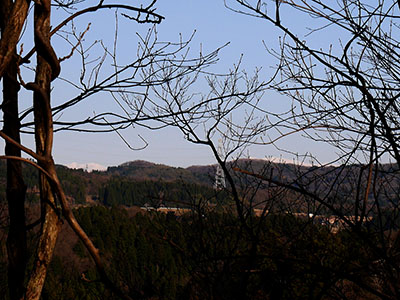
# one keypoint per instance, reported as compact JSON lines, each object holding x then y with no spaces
{"x":119,"y":191}
{"x":161,"y":256}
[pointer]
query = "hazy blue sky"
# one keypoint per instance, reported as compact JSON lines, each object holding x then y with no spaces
{"x":215,"y":25}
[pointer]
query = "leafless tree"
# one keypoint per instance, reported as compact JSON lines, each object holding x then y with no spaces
{"x":344,"y":93}
{"x":131,"y":85}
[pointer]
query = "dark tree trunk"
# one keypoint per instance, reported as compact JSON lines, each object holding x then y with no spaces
{"x":16,"y":188}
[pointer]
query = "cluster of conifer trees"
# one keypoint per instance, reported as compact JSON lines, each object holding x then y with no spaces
{"x":161,"y":256}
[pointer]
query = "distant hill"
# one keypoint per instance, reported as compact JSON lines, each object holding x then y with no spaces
{"x":139,"y":182}
{"x":144,"y":170}
{"x":119,"y":184}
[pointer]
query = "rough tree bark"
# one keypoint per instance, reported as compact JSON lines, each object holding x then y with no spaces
{"x":16,"y":188}
{"x":47,"y":69}
{"x":10,"y":34}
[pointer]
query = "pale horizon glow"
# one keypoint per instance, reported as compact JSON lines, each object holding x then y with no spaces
{"x":89,"y":167}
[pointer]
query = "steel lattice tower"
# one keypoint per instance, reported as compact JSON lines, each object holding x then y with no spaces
{"x":219,"y":175}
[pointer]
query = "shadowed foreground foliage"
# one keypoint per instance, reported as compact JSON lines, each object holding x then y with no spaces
{"x":161,"y":256}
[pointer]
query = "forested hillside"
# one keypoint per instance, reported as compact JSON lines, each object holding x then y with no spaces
{"x":205,"y":253}
{"x":133,"y":183}
{"x":141,"y":183}
{"x":158,"y":256}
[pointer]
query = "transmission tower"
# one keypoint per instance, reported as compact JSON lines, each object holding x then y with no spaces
{"x":219,"y":175}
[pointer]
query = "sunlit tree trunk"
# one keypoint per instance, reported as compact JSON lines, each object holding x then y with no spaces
{"x":10,"y":33}
{"x":45,"y":73}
